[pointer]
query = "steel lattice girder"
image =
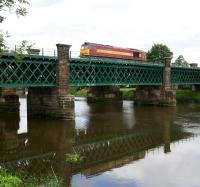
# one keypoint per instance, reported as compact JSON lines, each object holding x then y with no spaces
{"x":41,"y":71}
{"x":27,"y":72}
{"x":107,"y":72}
{"x":184,"y":75}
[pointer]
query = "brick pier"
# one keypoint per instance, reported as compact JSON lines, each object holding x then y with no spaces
{"x":9,"y":100}
{"x":54,"y":102}
{"x":157,"y":95}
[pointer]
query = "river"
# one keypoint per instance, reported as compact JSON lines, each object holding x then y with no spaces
{"x":120,"y":145}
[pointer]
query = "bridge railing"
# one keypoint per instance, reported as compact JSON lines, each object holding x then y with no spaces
{"x":39,"y":51}
{"x":34,"y":50}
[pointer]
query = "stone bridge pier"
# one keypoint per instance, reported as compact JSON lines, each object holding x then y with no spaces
{"x":54,"y":102}
{"x":104,"y":93}
{"x":9,"y":100}
{"x":157,"y":95}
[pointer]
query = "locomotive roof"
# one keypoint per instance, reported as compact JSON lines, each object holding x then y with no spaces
{"x":96,"y":44}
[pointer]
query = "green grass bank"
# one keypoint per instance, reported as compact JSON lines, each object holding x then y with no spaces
{"x":182,"y":95}
{"x":21,"y":180}
{"x":187,"y":96}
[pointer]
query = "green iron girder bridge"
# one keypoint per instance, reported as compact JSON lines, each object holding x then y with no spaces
{"x":40,"y":71}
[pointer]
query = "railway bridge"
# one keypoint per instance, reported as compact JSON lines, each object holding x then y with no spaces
{"x":49,"y":80}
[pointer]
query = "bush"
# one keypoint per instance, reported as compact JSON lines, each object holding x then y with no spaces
{"x":8,"y":180}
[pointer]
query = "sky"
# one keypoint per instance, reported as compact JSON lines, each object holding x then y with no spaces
{"x":179,"y":168}
{"x":124,"y":23}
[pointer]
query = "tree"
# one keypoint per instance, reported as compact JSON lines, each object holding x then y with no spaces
{"x":16,"y":6}
{"x":180,"y":61}
{"x":158,"y":53}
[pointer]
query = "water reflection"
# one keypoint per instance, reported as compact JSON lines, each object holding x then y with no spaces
{"x":107,"y":136}
{"x":23,"y":117}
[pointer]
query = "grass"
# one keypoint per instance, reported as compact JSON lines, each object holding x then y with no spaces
{"x":9,"y":180}
{"x":128,"y":93}
{"x":187,"y":96}
{"x":46,"y":181}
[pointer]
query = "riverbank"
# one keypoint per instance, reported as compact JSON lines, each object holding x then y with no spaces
{"x":9,"y":180}
{"x":182,"y":96}
{"x":187,"y":96}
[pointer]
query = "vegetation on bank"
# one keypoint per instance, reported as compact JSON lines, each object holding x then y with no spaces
{"x":127,"y":93}
{"x":7,"y":179}
{"x":73,"y":158}
{"x":79,"y":92}
{"x":19,"y":180}
{"x":187,"y":96}
{"x":182,"y":95}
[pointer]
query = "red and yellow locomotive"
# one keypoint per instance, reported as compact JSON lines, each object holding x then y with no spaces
{"x":94,"y":50}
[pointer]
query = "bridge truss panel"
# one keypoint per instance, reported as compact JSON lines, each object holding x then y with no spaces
{"x":184,"y":75}
{"x":27,"y":72}
{"x":106,"y":73}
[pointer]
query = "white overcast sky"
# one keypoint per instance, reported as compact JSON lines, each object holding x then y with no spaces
{"x":126,"y":23}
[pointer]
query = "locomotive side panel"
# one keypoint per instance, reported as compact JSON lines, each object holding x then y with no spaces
{"x":106,"y":51}
{"x":111,"y":52}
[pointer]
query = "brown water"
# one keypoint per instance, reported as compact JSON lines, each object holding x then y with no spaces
{"x":120,"y":144}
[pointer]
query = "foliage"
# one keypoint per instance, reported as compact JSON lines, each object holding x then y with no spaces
{"x":2,"y":43}
{"x":17,"y":6}
{"x":8,"y":180}
{"x":73,"y":158}
{"x":24,"y":48}
{"x":21,"y":180}
{"x":180,"y":61}
{"x":128,"y":93}
{"x":158,"y":53}
{"x":79,"y":92}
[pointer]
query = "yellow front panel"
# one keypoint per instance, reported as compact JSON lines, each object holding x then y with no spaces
{"x":85,"y":52}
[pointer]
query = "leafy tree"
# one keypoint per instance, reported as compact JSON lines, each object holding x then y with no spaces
{"x":13,"y":5}
{"x":16,"y":6}
{"x":180,"y":61}
{"x":158,"y":53}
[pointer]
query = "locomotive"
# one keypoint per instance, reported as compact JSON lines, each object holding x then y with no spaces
{"x":94,"y":50}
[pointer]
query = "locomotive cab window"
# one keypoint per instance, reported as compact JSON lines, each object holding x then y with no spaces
{"x":136,"y":54}
{"x":84,"y":47}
